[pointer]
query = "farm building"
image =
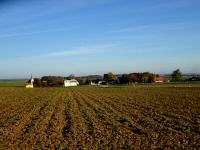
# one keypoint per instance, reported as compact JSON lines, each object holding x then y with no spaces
{"x":30,"y":83}
{"x":159,"y":79}
{"x":72,"y":82}
{"x":92,"y":83}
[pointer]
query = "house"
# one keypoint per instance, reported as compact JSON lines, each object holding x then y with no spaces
{"x":194,"y":78}
{"x":93,"y":83}
{"x":72,"y":82}
{"x":159,"y":79}
{"x":30,"y":83}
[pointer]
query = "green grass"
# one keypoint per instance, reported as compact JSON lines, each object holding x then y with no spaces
{"x":13,"y":83}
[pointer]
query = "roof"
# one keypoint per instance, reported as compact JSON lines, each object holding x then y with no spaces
{"x":72,"y":80}
{"x":160,"y":79}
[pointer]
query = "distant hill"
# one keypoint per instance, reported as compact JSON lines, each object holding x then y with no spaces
{"x":7,"y":80}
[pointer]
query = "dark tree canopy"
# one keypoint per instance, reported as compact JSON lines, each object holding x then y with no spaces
{"x":53,"y":80}
{"x":83,"y":80}
{"x":145,"y":77}
{"x":110,"y":77}
{"x":176,"y":75}
{"x":71,"y":76}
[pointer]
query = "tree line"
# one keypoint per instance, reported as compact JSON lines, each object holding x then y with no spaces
{"x":108,"y":78}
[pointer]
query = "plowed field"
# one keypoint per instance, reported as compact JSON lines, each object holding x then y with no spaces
{"x":100,"y":118}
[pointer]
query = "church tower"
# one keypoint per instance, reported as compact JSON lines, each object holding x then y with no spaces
{"x":30,"y":83}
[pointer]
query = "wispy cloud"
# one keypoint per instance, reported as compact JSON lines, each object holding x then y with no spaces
{"x":8,"y":35}
{"x":128,"y":29}
{"x":81,"y":51}
{"x":155,"y":27}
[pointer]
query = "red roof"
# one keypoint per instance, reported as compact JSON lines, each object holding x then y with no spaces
{"x":160,"y":79}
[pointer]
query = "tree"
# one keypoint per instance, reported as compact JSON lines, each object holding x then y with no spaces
{"x":37,"y":82}
{"x":176,"y":75}
{"x":88,"y":81}
{"x":83,"y":80}
{"x":53,"y":80}
{"x":147,"y":77}
{"x":132,"y":77}
{"x":71,"y":76}
{"x":124,"y":79}
{"x":110,"y":77}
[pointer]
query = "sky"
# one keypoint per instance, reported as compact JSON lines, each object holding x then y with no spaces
{"x":82,"y":37}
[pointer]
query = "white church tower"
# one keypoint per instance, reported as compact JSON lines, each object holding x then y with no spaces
{"x":30,"y":83}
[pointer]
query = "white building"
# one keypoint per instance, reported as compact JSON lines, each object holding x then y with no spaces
{"x":30,"y":83}
{"x":71,"y":82}
{"x":92,"y":83}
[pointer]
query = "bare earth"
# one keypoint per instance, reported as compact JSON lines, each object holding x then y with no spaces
{"x":100,"y":118}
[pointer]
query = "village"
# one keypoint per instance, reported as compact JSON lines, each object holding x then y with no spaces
{"x":110,"y":79}
{"x":96,"y":80}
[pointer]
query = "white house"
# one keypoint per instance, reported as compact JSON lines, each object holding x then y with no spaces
{"x":102,"y":83}
{"x":72,"y":82}
{"x":92,"y":83}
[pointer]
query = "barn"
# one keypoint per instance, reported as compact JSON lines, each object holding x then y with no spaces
{"x":72,"y":82}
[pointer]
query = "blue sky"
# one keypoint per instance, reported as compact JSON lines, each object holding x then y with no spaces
{"x":51,"y":37}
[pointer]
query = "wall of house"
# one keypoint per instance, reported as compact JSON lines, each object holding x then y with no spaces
{"x":67,"y":83}
{"x":29,"y":86}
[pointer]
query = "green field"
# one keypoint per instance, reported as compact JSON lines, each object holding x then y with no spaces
{"x":12,"y":83}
